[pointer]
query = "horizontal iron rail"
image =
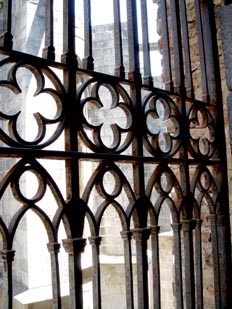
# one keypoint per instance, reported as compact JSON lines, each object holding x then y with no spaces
{"x":64,"y":155}
{"x":20,"y":56}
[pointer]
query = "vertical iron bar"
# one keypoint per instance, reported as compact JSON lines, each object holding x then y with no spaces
{"x":6,"y":38}
{"x":74,"y":248}
{"x":49,"y":49}
{"x":141,"y":236}
{"x":133,"y":44}
{"x":7,"y":258}
{"x":54,"y":248}
{"x":224,"y":230}
{"x":167,"y":69}
{"x":221,"y":231}
{"x":119,"y":67}
{"x":147,"y":78}
{"x":178,"y":64}
{"x":198,"y":265}
{"x":178,"y":265}
{"x":204,"y":81}
{"x":189,"y":264}
{"x":74,"y":209}
{"x":69,"y":54}
{"x":186,"y":49}
{"x":88,"y":62}
{"x":216,"y":268}
{"x":95,"y":243}
{"x":126,"y":236}
{"x":155,"y":266}
{"x":207,"y":12}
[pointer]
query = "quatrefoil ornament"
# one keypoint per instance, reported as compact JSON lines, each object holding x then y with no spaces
{"x":202,"y":132}
{"x":107,"y":117}
{"x":162,"y":125}
{"x":20,"y":126}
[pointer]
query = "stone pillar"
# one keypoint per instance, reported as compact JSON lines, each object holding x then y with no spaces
{"x":74,"y":248}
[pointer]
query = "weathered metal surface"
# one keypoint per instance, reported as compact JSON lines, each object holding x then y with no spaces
{"x":179,"y":138}
{"x":49,"y":49}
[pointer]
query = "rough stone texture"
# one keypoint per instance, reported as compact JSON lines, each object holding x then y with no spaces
{"x":224,"y":52}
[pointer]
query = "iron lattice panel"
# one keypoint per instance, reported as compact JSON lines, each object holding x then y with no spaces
{"x":164,"y":148}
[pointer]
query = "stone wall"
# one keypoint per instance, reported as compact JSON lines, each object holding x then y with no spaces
{"x":207,"y":255}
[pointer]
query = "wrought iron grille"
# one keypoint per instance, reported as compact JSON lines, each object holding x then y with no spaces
{"x":123,"y":146}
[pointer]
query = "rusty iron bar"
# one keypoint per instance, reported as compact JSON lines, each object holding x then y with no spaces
{"x":155,"y":266}
{"x":95,"y":242}
{"x":176,"y":227}
{"x":74,"y":248}
{"x":147,"y":78}
{"x":126,"y":236}
{"x":141,"y":236}
{"x":75,"y":244}
{"x":53,"y":249}
{"x":202,"y":53}
{"x":88,"y":61}
{"x":216,"y":266}
{"x":69,"y":54}
{"x":186,"y":49}
{"x":7,"y":257}
{"x":222,"y":250}
{"x":49,"y":49}
{"x":187,"y":230}
{"x":178,"y":62}
{"x":6,"y":38}
{"x":119,"y":66}
{"x":207,"y":13}
{"x":75,"y":207}
{"x":198,"y":264}
{"x":133,"y":44}
{"x":167,"y":68}
{"x":215,"y":97}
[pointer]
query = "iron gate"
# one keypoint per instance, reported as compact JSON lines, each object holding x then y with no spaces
{"x":168,"y":151}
